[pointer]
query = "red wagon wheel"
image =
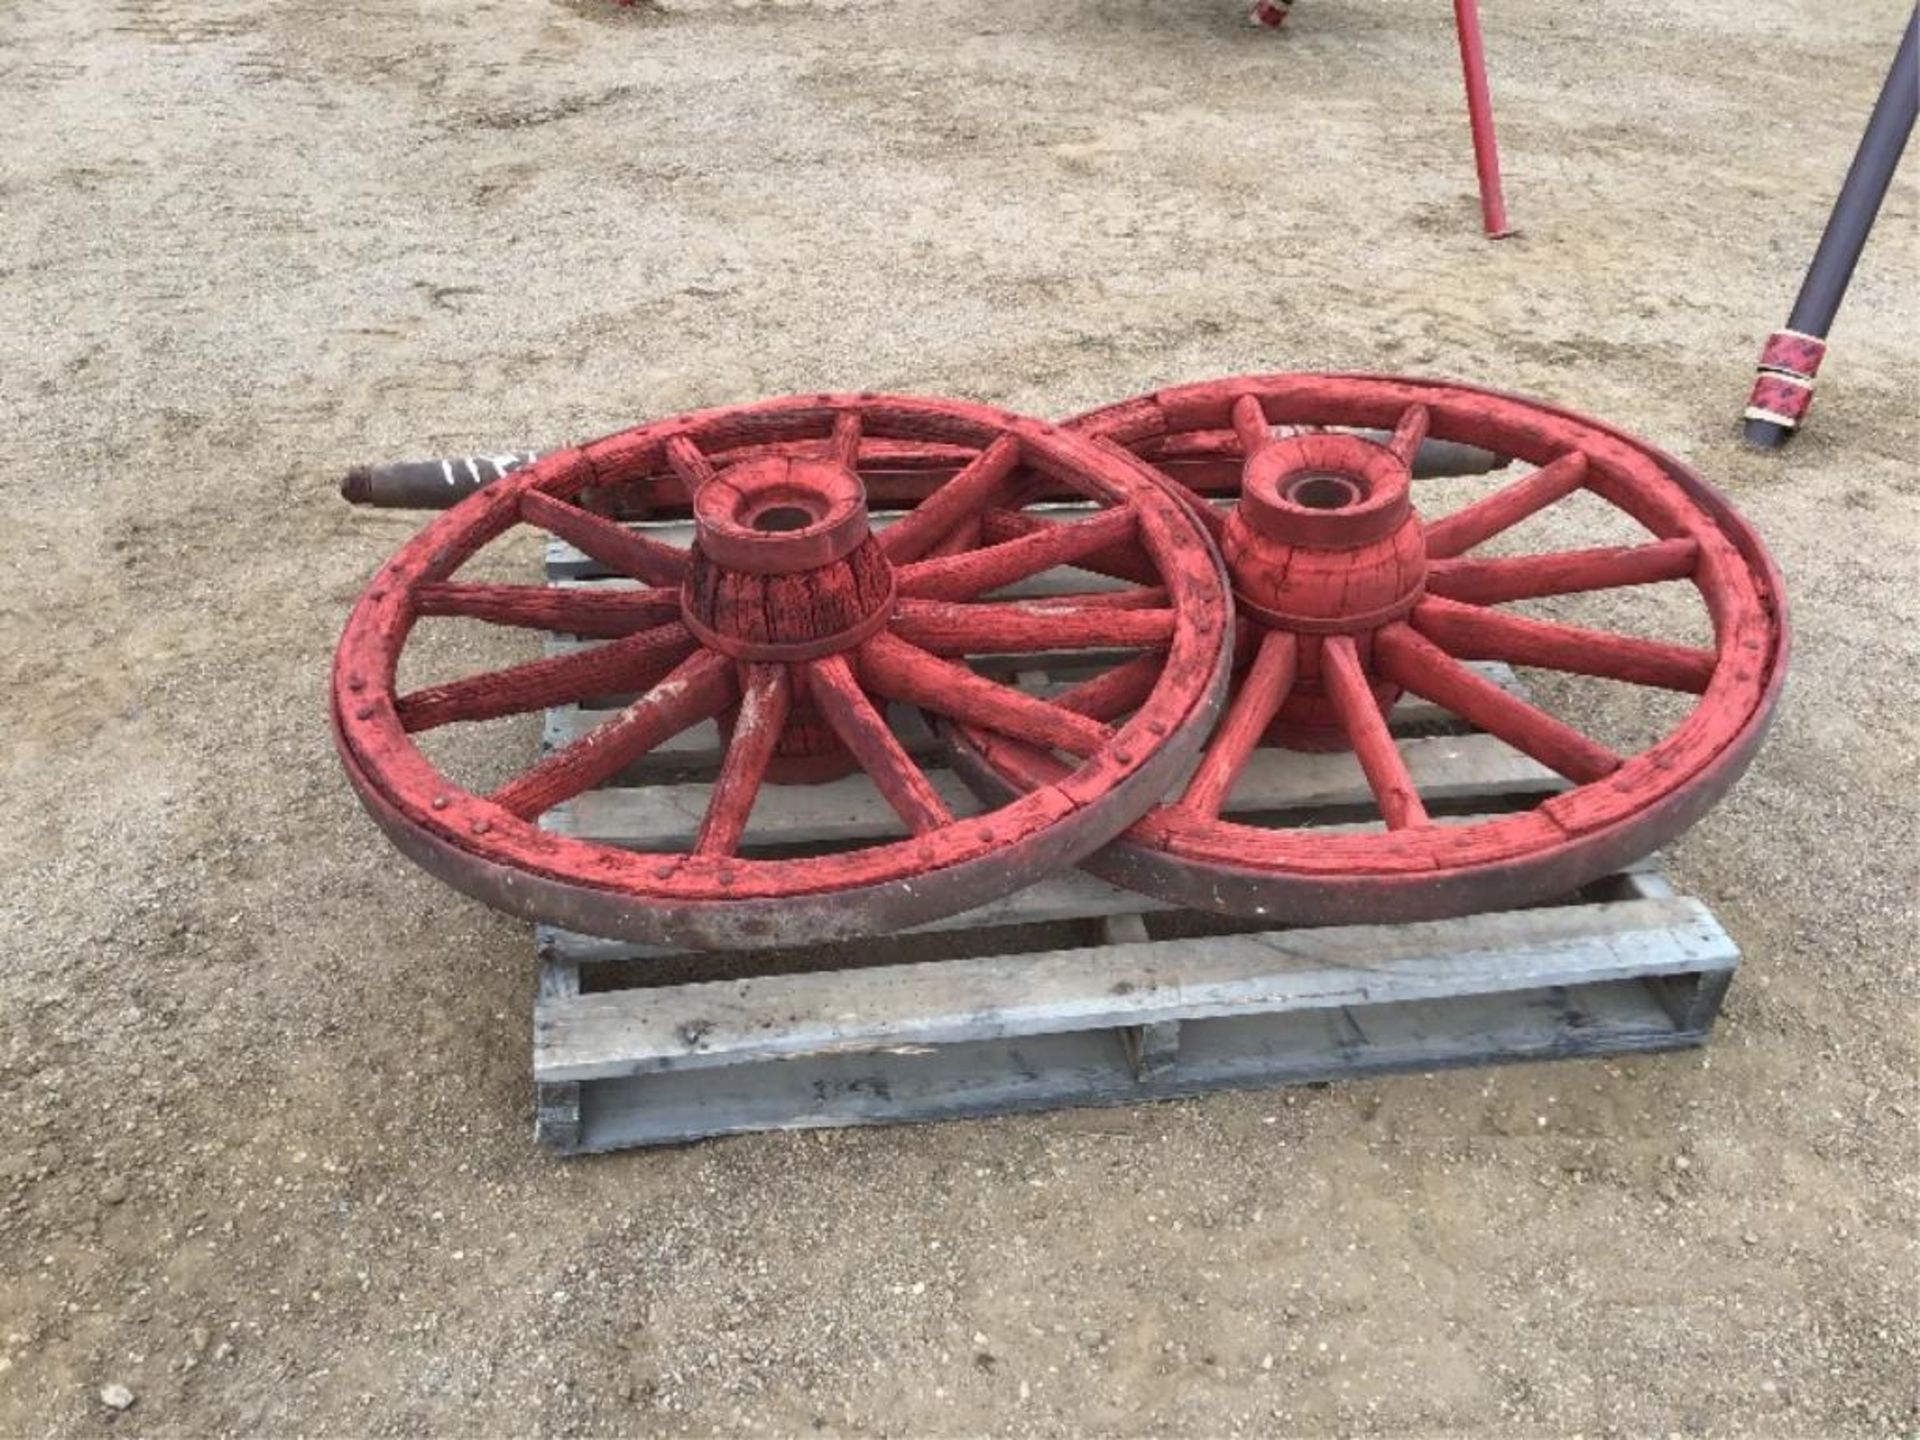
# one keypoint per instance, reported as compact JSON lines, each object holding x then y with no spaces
{"x":793,"y":623}
{"x":1347,"y":598}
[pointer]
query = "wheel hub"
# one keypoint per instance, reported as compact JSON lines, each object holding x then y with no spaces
{"x":1324,"y":541}
{"x":785,"y":568}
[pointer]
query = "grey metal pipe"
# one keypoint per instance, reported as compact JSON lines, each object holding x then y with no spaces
{"x":1825,"y":286}
{"x":1437,"y":458}
{"x":428,"y":484}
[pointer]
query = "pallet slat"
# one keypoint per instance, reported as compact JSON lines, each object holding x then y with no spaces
{"x":566,"y":563}
{"x":1447,"y":769}
{"x":698,"y":748}
{"x":1090,"y":1068}
{"x":599,"y":1036}
{"x":701,"y":744}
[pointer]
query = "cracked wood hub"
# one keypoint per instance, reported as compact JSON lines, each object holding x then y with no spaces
{"x":785,"y":568}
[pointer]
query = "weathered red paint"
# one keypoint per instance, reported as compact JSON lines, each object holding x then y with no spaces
{"x":788,"y":621}
{"x":1792,"y":353}
{"x":1322,"y":543}
{"x":1620,"y":807}
{"x":1486,"y":149}
{"x":1782,"y":400}
{"x":595,"y":614}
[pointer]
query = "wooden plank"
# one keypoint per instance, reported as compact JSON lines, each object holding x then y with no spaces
{"x":1086,"y":1068}
{"x":556,"y":1106}
{"x":848,"y":811}
{"x":774,"y":1017}
{"x":1413,"y":715}
{"x":1152,"y":1048}
{"x":1066,"y":666}
{"x":1447,"y":768}
{"x":696,"y":752}
{"x":565,"y":564}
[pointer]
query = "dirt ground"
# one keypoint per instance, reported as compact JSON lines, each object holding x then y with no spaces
{"x":265,"y":1153}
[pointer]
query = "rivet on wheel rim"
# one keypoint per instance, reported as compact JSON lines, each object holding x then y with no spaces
{"x":1349,"y":598}
{"x":793,"y":622}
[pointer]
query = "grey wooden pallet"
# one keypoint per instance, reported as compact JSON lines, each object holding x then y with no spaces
{"x":1074,"y":992}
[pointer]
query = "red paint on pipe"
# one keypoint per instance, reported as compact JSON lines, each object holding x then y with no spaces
{"x":1486,"y":150}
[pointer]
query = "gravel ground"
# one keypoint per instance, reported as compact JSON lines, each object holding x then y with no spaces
{"x":264,"y":1115}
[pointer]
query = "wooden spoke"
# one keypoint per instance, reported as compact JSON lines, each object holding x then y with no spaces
{"x":597,"y":614}
{"x":1366,"y":727}
{"x":1422,"y":667}
{"x":1468,"y":632}
{"x":1562,"y":572}
{"x":1024,"y":627}
{"x":1262,"y":692}
{"x":1121,"y":560}
{"x":687,"y":461}
{"x":968,"y":494}
{"x":844,"y":444}
{"x":1196,"y":499}
{"x":633,"y":662}
{"x":764,"y":702}
{"x":1197,"y":503}
{"x":1037,"y":549}
{"x":1250,"y":426}
{"x":612,"y":545}
{"x":1116,"y":691}
{"x":963,"y":537}
{"x":1410,"y":434}
{"x":845,"y":707}
{"x":901,"y":671}
{"x":1139,"y":597}
{"x":1506,"y":507}
{"x":695,"y":691}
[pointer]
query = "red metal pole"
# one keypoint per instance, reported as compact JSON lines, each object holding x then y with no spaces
{"x":1486,"y":151}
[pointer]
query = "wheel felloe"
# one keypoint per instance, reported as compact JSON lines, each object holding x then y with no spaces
{"x":792,"y":624}
{"x":1347,"y":597}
